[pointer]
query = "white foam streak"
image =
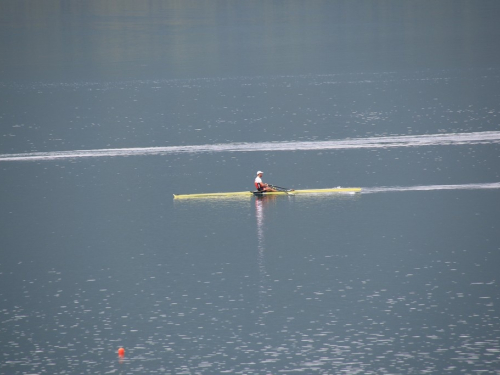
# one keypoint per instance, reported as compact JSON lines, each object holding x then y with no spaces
{"x":386,"y":189}
{"x":356,"y":143}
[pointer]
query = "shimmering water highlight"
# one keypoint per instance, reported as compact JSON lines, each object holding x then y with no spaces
{"x":359,"y":143}
{"x":386,"y":189}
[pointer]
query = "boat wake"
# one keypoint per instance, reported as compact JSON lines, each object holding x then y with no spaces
{"x":356,"y":143}
{"x":386,"y":189}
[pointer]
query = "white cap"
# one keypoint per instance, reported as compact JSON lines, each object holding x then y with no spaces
{"x":259,"y":172}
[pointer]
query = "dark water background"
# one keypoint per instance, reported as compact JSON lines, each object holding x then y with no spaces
{"x":399,"y":98}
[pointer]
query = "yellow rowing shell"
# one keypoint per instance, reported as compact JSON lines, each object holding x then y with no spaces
{"x":250,"y":193}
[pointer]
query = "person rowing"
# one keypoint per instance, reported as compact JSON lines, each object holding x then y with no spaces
{"x":261,"y":186}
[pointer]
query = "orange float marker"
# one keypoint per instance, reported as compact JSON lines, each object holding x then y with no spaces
{"x":121,"y":352}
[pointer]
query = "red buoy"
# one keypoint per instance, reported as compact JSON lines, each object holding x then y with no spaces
{"x":121,"y":352}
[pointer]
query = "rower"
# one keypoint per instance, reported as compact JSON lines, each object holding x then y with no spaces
{"x":261,"y":186}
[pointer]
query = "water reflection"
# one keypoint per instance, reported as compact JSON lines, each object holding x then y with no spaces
{"x":154,"y":37}
{"x":261,"y":204}
{"x":259,"y":215}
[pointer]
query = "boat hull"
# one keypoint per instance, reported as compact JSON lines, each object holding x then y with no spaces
{"x":214,"y":195}
{"x":308,"y":191}
{"x":266,"y":193}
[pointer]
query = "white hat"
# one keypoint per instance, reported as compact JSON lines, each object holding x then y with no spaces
{"x":259,"y":172}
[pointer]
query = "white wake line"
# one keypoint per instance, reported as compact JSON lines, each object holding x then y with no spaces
{"x":385,"y":189}
{"x":355,"y":143}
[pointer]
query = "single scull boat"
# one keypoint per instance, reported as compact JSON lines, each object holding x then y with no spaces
{"x":266,"y":193}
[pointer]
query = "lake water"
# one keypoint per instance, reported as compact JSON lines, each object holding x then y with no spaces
{"x":107,"y":109}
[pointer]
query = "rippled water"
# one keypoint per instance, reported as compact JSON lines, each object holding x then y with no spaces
{"x":257,"y":290}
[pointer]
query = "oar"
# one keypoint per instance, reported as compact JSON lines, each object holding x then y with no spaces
{"x":280,"y":188}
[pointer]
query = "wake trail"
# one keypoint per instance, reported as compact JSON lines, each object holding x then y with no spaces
{"x":386,"y":189}
{"x":490,"y":137}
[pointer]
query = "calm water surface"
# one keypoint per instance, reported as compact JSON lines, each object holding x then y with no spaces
{"x":107,"y":109}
